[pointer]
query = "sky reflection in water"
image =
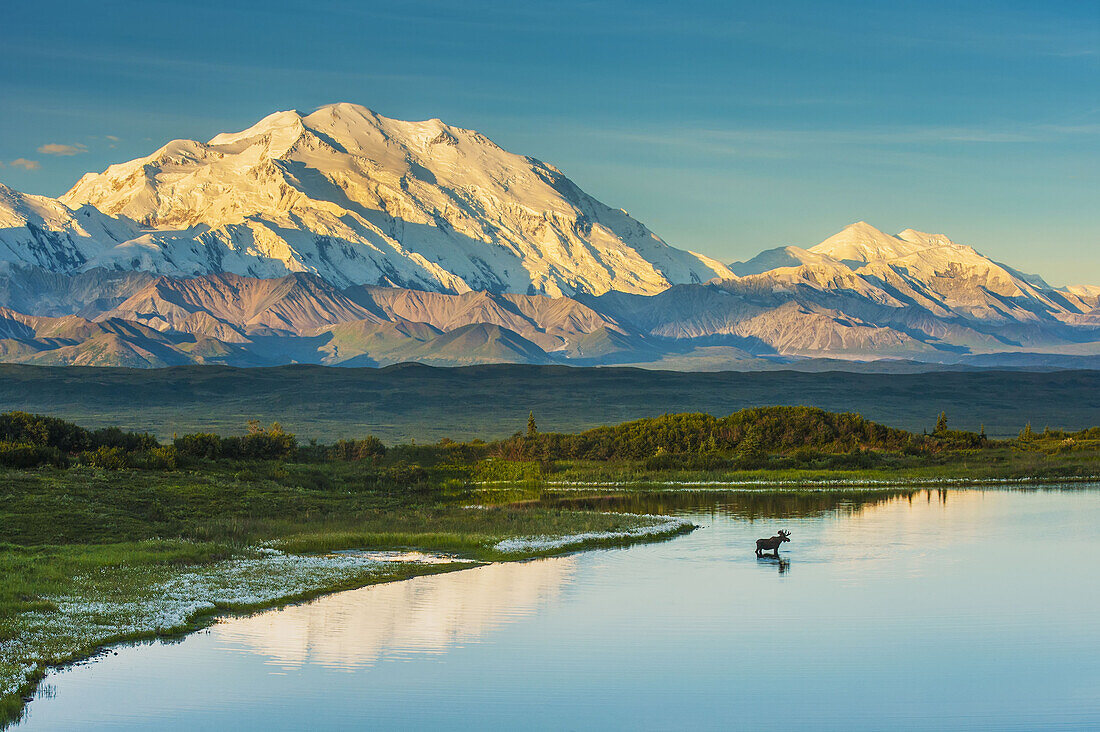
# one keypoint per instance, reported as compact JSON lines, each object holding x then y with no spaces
{"x":969,"y":609}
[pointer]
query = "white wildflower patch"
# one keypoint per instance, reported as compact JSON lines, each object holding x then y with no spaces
{"x":231,"y":583}
{"x":404,"y":557}
{"x":136,"y":601}
{"x":654,"y":526}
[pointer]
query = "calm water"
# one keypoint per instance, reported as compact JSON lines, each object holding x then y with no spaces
{"x":960,"y":610}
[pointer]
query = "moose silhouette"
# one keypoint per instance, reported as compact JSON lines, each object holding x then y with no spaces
{"x":773,"y":543}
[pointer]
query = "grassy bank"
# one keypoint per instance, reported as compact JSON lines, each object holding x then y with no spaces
{"x":1007,"y":465}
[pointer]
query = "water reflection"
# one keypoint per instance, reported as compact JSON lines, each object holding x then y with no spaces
{"x":917,"y":610}
{"x":745,"y":504}
{"x":425,"y":615}
{"x":781,"y":563}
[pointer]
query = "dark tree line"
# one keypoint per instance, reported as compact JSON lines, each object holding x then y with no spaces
{"x":259,"y":444}
{"x":749,"y":433}
{"x":29,"y":440}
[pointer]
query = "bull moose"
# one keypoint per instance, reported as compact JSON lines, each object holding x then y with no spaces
{"x":773,"y":543}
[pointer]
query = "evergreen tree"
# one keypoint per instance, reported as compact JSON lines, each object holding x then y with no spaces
{"x":751,"y":446}
{"x":532,"y":428}
{"x":941,"y":423}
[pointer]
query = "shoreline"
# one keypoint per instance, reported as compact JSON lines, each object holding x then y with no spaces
{"x":206,"y":613}
{"x":805,"y":485}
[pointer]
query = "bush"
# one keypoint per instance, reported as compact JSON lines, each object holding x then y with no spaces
{"x":259,"y":444}
{"x":268,"y":445}
{"x":404,"y":475}
{"x":111,"y":458}
{"x":36,"y":429}
{"x":958,"y":440}
{"x":23,"y":455}
{"x":199,"y":445}
{"x":158,"y":458}
{"x":705,"y":461}
{"x":444,"y":452}
{"x":369,"y":449}
{"x":127,"y":441}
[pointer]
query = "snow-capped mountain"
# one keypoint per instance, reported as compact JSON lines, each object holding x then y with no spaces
{"x":45,"y":232}
{"x":915,"y":270}
{"x":859,"y":295}
{"x":344,"y":237}
{"x":358,"y":198}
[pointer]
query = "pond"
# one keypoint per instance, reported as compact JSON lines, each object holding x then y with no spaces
{"x":958,"y":609}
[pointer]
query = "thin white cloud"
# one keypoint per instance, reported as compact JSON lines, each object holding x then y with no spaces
{"x":112,"y":138}
{"x":25,"y":164}
{"x":780,"y":143}
{"x":58,"y":148}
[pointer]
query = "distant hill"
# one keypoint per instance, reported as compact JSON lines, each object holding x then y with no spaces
{"x":413,"y":401}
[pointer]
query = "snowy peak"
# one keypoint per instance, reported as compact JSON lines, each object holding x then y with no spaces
{"x":359,"y":198}
{"x":860,"y":243}
{"x":912,"y":268}
{"x":780,"y":258}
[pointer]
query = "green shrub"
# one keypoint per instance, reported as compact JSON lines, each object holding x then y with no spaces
{"x":157,"y":458}
{"x":36,"y":429}
{"x":23,"y":455}
{"x":128,"y":441}
{"x":258,"y":444}
{"x":369,"y":449}
{"x":199,"y":445}
{"x":111,"y":458}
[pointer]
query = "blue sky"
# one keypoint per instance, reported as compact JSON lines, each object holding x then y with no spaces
{"x":727,"y":127}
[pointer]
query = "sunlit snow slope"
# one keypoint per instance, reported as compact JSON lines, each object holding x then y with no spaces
{"x":358,"y":198}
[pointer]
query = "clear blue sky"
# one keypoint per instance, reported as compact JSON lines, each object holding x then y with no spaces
{"x":727,"y":127}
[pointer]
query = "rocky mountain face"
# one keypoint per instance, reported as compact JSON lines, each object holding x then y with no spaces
{"x":344,"y":237}
{"x":861,"y":295}
{"x":865,"y":294}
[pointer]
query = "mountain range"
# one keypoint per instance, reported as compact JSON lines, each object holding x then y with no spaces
{"x":343,"y":237}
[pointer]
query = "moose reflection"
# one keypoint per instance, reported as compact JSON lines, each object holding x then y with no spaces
{"x":772,"y":544}
{"x":781,"y":563}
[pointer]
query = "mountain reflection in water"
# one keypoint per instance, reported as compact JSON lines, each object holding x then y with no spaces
{"x":740,"y":504}
{"x":424,"y":615}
